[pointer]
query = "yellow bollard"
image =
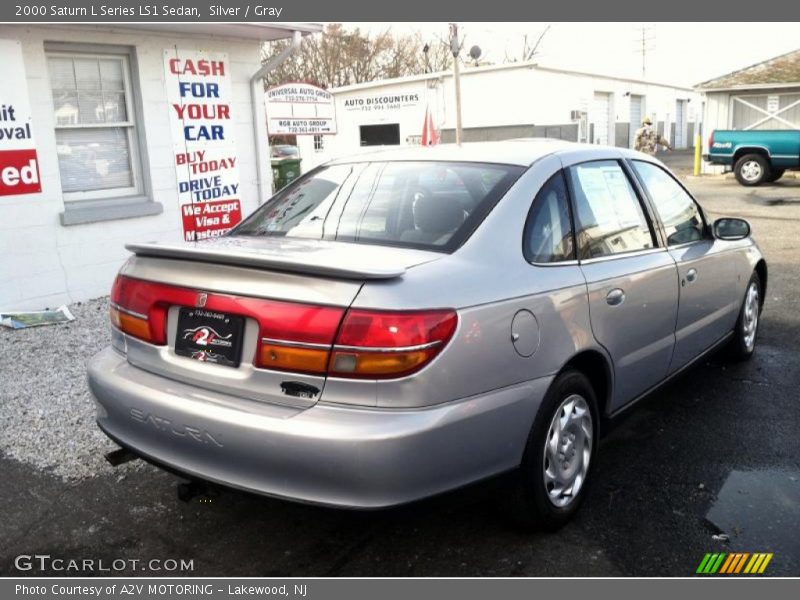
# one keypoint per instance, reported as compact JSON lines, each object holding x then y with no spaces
{"x":698,"y":149}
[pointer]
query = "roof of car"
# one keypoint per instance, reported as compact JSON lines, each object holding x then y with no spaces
{"x":522,"y":152}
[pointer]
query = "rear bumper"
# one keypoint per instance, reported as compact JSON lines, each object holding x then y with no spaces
{"x":342,"y":456}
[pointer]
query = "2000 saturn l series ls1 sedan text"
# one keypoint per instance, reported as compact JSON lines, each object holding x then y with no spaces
{"x":399,"y":324}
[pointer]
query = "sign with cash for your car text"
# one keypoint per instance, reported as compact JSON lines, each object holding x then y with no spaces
{"x":199,"y":95}
{"x":19,"y":164}
{"x":300,"y":109}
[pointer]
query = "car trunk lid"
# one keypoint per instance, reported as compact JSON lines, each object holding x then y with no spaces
{"x":256,"y":280}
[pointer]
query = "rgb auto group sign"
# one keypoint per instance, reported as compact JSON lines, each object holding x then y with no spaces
{"x":206,"y":163}
{"x":19,"y":163}
{"x":300,"y":109}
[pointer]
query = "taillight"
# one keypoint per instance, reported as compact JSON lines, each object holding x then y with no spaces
{"x":297,"y":337}
{"x":710,"y":141}
{"x":134,"y":310}
{"x":383,"y":344}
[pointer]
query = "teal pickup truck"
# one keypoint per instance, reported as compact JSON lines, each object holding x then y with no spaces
{"x":755,"y":156}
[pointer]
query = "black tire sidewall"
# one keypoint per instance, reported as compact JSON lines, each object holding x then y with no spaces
{"x":542,"y":513}
{"x":739,"y":348}
{"x":765,"y":168}
{"x":776,"y":174}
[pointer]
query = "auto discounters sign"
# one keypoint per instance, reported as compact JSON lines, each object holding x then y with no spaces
{"x":19,"y":164}
{"x":206,"y":163}
{"x":300,"y":109}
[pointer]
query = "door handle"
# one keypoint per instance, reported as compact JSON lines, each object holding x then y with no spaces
{"x":691,"y":275}
{"x":615,"y":297}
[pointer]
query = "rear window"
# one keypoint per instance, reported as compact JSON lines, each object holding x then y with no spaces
{"x":428,"y":205}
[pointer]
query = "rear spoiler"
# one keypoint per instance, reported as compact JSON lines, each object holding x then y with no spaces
{"x":309,"y":265}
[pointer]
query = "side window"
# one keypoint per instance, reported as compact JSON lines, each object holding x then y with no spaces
{"x":681,"y":218}
{"x":548,"y":232}
{"x":608,"y":215}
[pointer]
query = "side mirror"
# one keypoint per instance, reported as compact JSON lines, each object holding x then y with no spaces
{"x":731,"y":229}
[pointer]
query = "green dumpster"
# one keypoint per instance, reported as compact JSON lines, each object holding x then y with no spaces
{"x":284,"y":171}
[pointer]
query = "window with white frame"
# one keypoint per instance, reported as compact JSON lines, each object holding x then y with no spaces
{"x":96,"y":137}
{"x":319,"y":143}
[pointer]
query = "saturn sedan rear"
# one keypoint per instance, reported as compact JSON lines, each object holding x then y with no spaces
{"x":403,"y":323}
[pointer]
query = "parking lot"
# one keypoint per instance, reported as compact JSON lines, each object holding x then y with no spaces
{"x":711,"y":463}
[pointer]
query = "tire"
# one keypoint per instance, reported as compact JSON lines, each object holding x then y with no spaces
{"x":752,"y":170}
{"x":776,"y":174}
{"x":743,"y":344}
{"x":535,"y":500}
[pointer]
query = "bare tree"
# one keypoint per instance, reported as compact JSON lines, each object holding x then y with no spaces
{"x":339,"y":57}
{"x":528,"y":51}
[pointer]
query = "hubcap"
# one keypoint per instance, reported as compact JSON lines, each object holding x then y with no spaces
{"x":750,"y":320}
{"x":751,"y":170}
{"x":567,"y":450}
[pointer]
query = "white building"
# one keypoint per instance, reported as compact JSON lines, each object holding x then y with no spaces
{"x":114,"y":134}
{"x":502,"y":102}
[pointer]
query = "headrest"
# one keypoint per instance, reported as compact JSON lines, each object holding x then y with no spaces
{"x":437,"y":214}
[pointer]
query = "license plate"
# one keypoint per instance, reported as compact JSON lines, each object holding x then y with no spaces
{"x":209,"y":336}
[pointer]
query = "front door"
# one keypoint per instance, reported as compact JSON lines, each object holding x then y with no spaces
{"x":632,"y":283}
{"x":708,"y":301}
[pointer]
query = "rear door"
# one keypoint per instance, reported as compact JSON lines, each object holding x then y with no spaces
{"x":706,"y":266}
{"x":632,"y":283}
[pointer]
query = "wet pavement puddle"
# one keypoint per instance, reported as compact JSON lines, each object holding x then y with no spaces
{"x":759,"y":511}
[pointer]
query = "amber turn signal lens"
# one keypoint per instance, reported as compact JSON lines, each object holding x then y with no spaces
{"x":377,"y":363}
{"x":287,"y":358}
{"x":131,"y":325}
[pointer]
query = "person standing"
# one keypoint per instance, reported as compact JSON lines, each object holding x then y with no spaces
{"x":647,"y":139}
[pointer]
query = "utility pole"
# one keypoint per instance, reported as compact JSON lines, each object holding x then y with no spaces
{"x":454,"y":48}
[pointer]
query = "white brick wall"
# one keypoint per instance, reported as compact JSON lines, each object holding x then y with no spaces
{"x":44,"y":264}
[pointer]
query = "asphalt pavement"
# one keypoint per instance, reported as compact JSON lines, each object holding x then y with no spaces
{"x":710,"y":463}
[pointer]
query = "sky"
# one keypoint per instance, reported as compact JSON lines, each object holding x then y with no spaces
{"x":677,"y":53}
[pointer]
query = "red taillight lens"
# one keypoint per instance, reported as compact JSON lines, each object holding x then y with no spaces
{"x":710,"y":141}
{"x":382,"y":344}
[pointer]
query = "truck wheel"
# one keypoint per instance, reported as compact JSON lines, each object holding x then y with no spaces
{"x":752,"y":170}
{"x":776,"y":174}
{"x":551,"y":483}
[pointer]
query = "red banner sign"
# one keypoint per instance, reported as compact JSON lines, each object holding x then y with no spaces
{"x":203,"y":220}
{"x":19,"y":172}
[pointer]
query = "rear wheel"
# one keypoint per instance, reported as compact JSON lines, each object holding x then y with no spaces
{"x":552,"y":480}
{"x":743,"y":344}
{"x":752,"y":169}
{"x":776,"y":174}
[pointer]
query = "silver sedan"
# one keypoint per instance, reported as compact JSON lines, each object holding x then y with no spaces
{"x":395,"y":325}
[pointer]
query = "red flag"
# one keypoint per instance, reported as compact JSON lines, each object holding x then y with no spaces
{"x":430,"y":137}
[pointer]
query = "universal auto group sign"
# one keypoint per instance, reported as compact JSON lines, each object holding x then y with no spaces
{"x":206,"y":163}
{"x":300,"y":109}
{"x":19,"y":164}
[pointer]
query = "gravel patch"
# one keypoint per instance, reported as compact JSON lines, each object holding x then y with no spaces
{"x":46,"y":410}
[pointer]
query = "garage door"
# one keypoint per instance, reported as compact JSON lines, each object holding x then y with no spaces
{"x":766,"y":111}
{"x":637,"y":114}
{"x":601,"y":117}
{"x":680,"y":124}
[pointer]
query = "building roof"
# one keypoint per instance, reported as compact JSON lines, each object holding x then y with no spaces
{"x":466,"y":72}
{"x":781,"y":71}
